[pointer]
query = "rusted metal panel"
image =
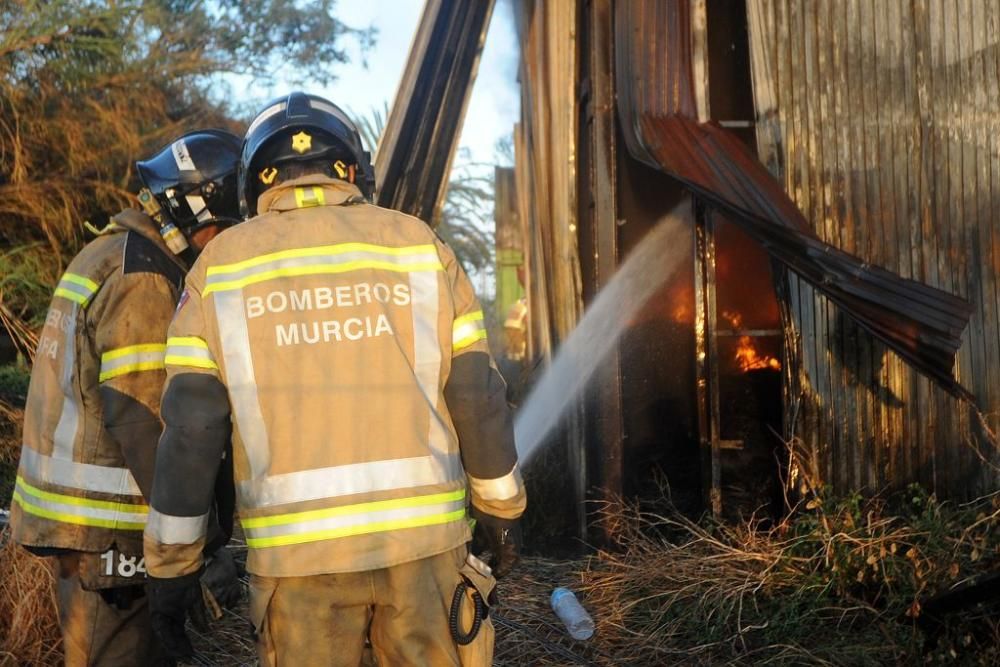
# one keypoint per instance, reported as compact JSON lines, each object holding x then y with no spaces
{"x":706,"y":345}
{"x":598,"y":239}
{"x":921,"y":323}
{"x":415,"y":153}
{"x":880,"y":120}
{"x":546,"y":141}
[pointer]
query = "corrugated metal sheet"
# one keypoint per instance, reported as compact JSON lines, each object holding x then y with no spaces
{"x":546,"y":159}
{"x":654,"y":65}
{"x":882,"y":121}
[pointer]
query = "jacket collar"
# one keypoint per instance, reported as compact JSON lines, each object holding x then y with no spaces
{"x":307,"y":191}
{"x":140,"y":223}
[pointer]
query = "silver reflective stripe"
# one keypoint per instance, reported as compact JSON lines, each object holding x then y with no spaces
{"x":74,"y":291}
{"x":144,"y":359}
{"x":467,"y":330}
{"x":330,"y":109}
{"x":425,"y":297}
{"x":365,"y":518}
{"x":346,"y":480}
{"x":240,"y":380}
{"x":64,"y":437}
{"x":169,"y":529}
{"x":83,"y":476}
{"x":313,"y":260}
{"x":67,"y":511}
{"x":189,"y":351}
{"x":264,"y":115}
{"x":502,"y":488}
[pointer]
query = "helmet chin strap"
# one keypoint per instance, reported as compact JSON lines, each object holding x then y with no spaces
{"x":222,"y":222}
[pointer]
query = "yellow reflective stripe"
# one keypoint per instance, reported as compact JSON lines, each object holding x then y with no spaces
{"x":195,"y":362}
{"x":140,"y":508}
{"x":192,"y":341}
{"x":72,"y":296}
{"x":322,"y":269}
{"x":338,"y":249}
{"x":467,"y":329}
{"x":130,"y":368}
{"x":80,"y":280}
{"x":77,"y":289}
{"x":469,"y":317}
{"x":378,"y":527}
{"x":77,"y":511}
{"x":314,"y":197}
{"x":73,"y":518}
{"x":132,"y":349}
{"x":360,"y":508}
{"x":131,"y":359}
{"x":468,"y":340}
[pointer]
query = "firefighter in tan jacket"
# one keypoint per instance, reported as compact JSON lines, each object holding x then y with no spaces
{"x":345,"y":345}
{"x":92,"y":423}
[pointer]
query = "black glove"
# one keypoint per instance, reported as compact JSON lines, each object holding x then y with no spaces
{"x":504,"y":539}
{"x":222,"y":578}
{"x":170,"y":602}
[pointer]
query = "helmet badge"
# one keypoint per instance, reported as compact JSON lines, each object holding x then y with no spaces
{"x":267,"y":175}
{"x":301,"y":142}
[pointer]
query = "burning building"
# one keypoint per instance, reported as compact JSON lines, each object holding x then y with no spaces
{"x":839,"y":167}
{"x":836,"y":318}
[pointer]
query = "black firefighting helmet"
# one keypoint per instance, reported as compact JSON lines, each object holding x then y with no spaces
{"x":300,"y":128}
{"x":191,"y":183}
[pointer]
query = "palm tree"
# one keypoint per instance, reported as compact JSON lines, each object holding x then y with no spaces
{"x":467,"y":201}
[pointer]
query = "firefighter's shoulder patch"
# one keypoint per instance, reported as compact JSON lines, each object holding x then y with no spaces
{"x":144,"y":256}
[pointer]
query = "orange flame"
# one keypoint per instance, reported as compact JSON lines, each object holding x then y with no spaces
{"x":747,"y":357}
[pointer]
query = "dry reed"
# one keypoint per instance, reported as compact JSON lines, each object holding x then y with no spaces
{"x":29,"y":633}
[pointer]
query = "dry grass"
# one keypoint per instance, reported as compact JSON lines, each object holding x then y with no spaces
{"x":29,"y":633}
{"x":11,"y":418}
{"x":527,"y":631}
{"x":842,"y":584}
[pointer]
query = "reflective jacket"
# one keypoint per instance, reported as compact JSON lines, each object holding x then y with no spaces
{"x":91,"y":421}
{"x":344,"y":344}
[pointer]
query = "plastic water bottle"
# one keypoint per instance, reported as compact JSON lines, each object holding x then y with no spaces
{"x":574,"y":617}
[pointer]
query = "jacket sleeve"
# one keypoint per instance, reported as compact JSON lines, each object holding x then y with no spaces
{"x":129,"y":320}
{"x":195,"y":410}
{"x":475,"y":394}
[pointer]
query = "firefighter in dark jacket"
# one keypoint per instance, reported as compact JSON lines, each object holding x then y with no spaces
{"x":92,"y":420}
{"x":346,"y":347}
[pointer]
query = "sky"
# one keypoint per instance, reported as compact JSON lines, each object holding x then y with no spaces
{"x":495,"y":103}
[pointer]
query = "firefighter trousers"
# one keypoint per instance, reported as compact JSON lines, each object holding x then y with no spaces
{"x":403,"y":609}
{"x":99,"y":632}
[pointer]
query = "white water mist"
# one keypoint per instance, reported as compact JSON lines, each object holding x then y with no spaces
{"x":645,"y":270}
